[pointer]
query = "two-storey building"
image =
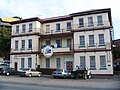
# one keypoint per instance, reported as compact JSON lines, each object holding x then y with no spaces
{"x":82,"y":39}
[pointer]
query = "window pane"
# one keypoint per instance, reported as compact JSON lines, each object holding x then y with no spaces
{"x":47,"y":28}
{"x":102,"y":61}
{"x":58,"y":27}
{"x":23,"y":28}
{"x":68,"y":25}
{"x":48,"y":42}
{"x":58,"y":42}
{"x":30,"y":43}
{"x":29,"y":62}
{"x":91,"y":40}
{"x":82,"y":41}
{"x":23,"y":44}
{"x":81,"y":22}
{"x":101,"y":39}
{"x":90,"y":21}
{"x":82,"y":61}
{"x":22,"y":62}
{"x":16,"y":44}
{"x":17,"y":29}
{"x":47,"y":63}
{"x":58,"y":64}
{"x":92,"y":62}
{"x":99,"y":19}
{"x":30,"y":27}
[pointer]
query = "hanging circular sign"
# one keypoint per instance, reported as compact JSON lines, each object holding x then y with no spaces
{"x":48,"y":51}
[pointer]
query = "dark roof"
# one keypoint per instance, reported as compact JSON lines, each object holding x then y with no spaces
{"x":67,"y":17}
{"x":27,"y":20}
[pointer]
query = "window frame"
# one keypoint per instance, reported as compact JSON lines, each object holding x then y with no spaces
{"x":99,"y":20}
{"x":57,"y":27}
{"x":16,"y":44}
{"x":29,"y":43}
{"x":101,"y":40}
{"x":82,"y":61}
{"x":91,"y":41}
{"x":69,"y":26}
{"x":90,"y":21}
{"x":92,"y":62}
{"x":22,"y":62}
{"x":30,"y":62}
{"x":47,"y":62}
{"x":30,"y":27}
{"x":58,"y":63}
{"x":81,"y":22}
{"x":82,"y":41}
{"x":23,"y":28}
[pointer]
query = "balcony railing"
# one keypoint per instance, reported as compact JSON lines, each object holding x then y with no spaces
{"x":33,"y":30}
{"x":59,"y":49}
{"x":93,"y":46}
{"x":18,"y":50}
{"x":84,"y":26}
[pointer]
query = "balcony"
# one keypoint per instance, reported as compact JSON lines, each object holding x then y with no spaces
{"x":27,"y":32}
{"x":94,"y":46}
{"x":60,"y":49}
{"x":88,"y":26}
{"x":25,"y":50}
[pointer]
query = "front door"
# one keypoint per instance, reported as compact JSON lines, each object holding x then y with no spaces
{"x":16,"y":64}
{"x":69,"y":65}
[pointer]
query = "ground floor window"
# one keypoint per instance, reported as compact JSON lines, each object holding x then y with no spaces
{"x":102,"y":61}
{"x":92,"y":62}
{"x":47,"y":63}
{"x":22,"y":62}
{"x":82,"y":61}
{"x":58,"y":63}
{"x":29,"y":62}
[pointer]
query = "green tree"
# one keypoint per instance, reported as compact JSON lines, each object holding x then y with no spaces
{"x":5,"y":40}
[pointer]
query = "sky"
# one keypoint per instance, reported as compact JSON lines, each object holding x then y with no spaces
{"x":52,"y":8}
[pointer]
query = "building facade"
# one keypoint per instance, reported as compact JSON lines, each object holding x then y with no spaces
{"x":82,"y":39}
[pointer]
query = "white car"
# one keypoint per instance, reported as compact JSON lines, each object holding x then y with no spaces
{"x":29,"y":72}
{"x":61,"y":73}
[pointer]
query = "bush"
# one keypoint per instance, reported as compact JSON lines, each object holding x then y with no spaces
{"x":46,"y":71}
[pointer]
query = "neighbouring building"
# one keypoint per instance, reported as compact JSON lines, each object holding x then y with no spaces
{"x":82,"y":38}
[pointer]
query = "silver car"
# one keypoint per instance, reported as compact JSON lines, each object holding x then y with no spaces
{"x":29,"y":72}
{"x":61,"y":73}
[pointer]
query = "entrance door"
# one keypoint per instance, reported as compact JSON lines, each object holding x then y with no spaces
{"x":69,"y":65}
{"x":16,"y":64}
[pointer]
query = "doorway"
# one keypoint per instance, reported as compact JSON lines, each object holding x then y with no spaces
{"x":16,"y":65}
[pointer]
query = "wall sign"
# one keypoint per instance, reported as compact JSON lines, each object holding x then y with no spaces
{"x":48,"y":51}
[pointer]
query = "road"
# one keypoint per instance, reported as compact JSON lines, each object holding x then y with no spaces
{"x":45,"y":83}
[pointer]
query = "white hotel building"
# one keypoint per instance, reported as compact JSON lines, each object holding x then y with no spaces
{"x":82,"y":38}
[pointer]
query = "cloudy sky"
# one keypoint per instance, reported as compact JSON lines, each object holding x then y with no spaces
{"x":51,"y":8}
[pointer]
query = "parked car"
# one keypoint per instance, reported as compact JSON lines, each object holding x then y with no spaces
{"x":29,"y":72}
{"x":9,"y":71}
{"x":61,"y":73}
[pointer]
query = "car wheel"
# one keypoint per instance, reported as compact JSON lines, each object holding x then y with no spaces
{"x":64,"y":76}
{"x":30,"y":75}
{"x":40,"y":75}
{"x":89,"y":76}
{"x":8,"y":74}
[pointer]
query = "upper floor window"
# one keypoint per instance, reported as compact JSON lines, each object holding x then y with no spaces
{"x":16,"y":44}
{"x":30,"y":43}
{"x":102,"y":61}
{"x":82,"y":41}
{"x":91,"y":41}
{"x":69,"y":43}
{"x":82,"y":61}
{"x":30,"y":27}
{"x":48,"y":42}
{"x":81,"y":22}
{"x":23,"y":28}
{"x":23,"y":44}
{"x":58,"y":42}
{"x":17,"y":29}
{"x":90,"y":21}
{"x":68,"y":26}
{"x":58,"y":27}
{"x":99,"y":20}
{"x":58,"y":63}
{"x":101,"y":39}
{"x":92,"y":62}
{"x":47,"y":28}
